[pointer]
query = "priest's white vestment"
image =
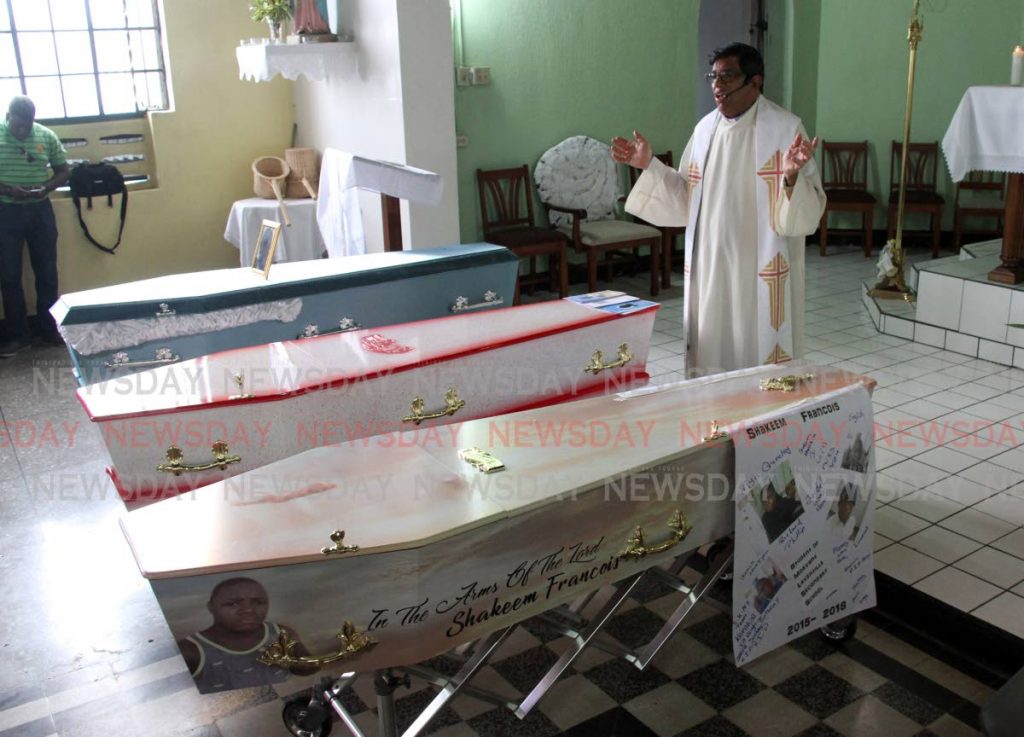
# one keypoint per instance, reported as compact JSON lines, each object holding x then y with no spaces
{"x":744,"y":268}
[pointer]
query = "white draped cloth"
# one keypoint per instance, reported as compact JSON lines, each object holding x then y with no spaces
{"x":342,"y":174}
{"x":744,"y":271}
{"x":985,"y":133}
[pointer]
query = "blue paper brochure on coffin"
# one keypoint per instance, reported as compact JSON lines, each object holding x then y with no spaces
{"x":627,"y":307}
{"x":118,"y":330}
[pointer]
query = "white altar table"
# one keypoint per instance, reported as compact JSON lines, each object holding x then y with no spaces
{"x":301,"y":241}
{"x":984,"y":135}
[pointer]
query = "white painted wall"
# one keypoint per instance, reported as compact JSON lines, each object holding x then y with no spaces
{"x":394,"y":102}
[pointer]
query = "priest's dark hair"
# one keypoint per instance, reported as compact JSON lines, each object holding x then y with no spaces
{"x":749,"y":58}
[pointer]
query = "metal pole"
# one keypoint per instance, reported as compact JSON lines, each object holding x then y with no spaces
{"x":914,"y":33}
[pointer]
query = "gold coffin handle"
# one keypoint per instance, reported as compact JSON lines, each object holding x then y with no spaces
{"x":491,"y":299}
{"x":338,"y":538}
{"x":282,"y":652}
{"x":345,"y":325}
{"x":715,"y":433}
{"x":597,"y":364}
{"x":122,"y":360}
{"x":175,"y":460}
{"x":452,"y":404}
{"x":637,"y":547}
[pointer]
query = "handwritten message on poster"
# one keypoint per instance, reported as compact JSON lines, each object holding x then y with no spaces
{"x":804,"y":521}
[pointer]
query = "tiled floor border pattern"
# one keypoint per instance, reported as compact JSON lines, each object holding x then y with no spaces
{"x":874,"y":684}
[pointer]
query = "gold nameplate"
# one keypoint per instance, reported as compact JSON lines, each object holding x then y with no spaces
{"x":784,"y":383}
{"x":175,"y":460}
{"x":481,"y":460}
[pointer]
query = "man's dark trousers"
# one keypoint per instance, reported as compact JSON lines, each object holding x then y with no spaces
{"x":33,"y":224}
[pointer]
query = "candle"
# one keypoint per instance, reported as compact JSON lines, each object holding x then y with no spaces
{"x":1018,"y":62}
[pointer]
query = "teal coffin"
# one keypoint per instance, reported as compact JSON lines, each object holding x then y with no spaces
{"x":118,"y":330}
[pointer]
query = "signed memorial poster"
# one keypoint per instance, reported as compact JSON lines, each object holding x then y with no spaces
{"x":804,"y":520}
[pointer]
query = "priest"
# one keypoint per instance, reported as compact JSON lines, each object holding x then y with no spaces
{"x":748,"y":192}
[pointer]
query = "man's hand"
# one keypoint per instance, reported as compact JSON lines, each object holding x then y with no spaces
{"x":800,"y":151}
{"x":635,"y":153}
{"x":28,"y":193}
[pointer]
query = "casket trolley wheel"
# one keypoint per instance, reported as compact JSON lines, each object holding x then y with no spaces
{"x":840,"y":631}
{"x":307,"y":717}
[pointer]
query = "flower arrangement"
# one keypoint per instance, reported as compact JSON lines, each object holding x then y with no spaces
{"x":887,"y":262}
{"x":272,"y":11}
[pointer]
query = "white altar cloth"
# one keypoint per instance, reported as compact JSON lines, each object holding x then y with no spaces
{"x":985,"y":133}
{"x":301,"y":241}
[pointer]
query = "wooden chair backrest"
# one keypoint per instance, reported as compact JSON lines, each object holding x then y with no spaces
{"x":844,"y":165}
{"x":506,"y":199}
{"x":922,"y":166}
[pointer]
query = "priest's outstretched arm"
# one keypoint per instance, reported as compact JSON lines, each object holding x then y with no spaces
{"x":661,"y":195}
{"x":799,"y":211}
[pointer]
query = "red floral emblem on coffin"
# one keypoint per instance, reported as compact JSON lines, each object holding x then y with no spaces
{"x":377,"y":343}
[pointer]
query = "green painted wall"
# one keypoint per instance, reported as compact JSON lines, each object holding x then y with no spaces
{"x":804,"y":25}
{"x":570,"y":67}
{"x":603,"y":67}
{"x":862,"y":72}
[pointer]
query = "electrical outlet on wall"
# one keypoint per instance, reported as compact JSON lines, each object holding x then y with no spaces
{"x":463,"y":76}
{"x":480,"y":75}
{"x":461,"y":140}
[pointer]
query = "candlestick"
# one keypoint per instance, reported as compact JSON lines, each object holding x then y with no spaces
{"x":1018,"y":62}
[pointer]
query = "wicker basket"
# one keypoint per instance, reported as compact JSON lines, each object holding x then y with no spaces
{"x":304,"y":164}
{"x":266,"y":171}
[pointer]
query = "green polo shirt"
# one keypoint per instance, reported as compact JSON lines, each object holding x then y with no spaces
{"x":28,"y":162}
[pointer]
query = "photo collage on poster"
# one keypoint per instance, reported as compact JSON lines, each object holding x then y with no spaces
{"x":804,"y":514}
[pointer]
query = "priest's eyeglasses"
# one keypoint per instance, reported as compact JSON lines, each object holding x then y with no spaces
{"x":27,"y":154}
{"x":726,"y":75}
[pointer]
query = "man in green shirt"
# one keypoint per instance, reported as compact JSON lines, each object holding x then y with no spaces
{"x":28,"y":153}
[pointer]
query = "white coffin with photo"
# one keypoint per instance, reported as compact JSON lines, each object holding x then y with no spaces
{"x":431,"y":552}
{"x":181,"y":426}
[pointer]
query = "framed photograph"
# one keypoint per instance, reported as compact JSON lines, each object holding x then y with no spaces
{"x":266,"y":244}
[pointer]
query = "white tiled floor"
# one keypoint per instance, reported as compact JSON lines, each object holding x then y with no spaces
{"x":949,"y":431}
{"x":948,"y":445}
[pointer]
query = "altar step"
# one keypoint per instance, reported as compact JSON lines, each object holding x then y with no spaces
{"x":957,"y":307}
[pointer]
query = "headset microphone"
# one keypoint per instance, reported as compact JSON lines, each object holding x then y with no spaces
{"x":730,"y":94}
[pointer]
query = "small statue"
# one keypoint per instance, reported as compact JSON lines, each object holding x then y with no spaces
{"x":308,"y":19}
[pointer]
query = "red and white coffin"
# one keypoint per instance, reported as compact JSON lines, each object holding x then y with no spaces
{"x":181,"y":426}
{"x":425,"y":547}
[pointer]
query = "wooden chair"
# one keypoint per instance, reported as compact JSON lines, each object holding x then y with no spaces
{"x":583,"y":164}
{"x":981,"y":195}
{"x":845,"y":180}
{"x":506,"y":208}
{"x":668,"y":232}
{"x":921,"y":195}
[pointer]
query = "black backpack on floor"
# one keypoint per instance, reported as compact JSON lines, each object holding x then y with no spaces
{"x":95,"y":180}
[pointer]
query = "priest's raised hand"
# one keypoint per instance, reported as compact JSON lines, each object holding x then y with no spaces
{"x":635,"y":153}
{"x":800,"y":151}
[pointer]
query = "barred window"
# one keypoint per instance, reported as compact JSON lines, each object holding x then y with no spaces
{"x":83,"y":60}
